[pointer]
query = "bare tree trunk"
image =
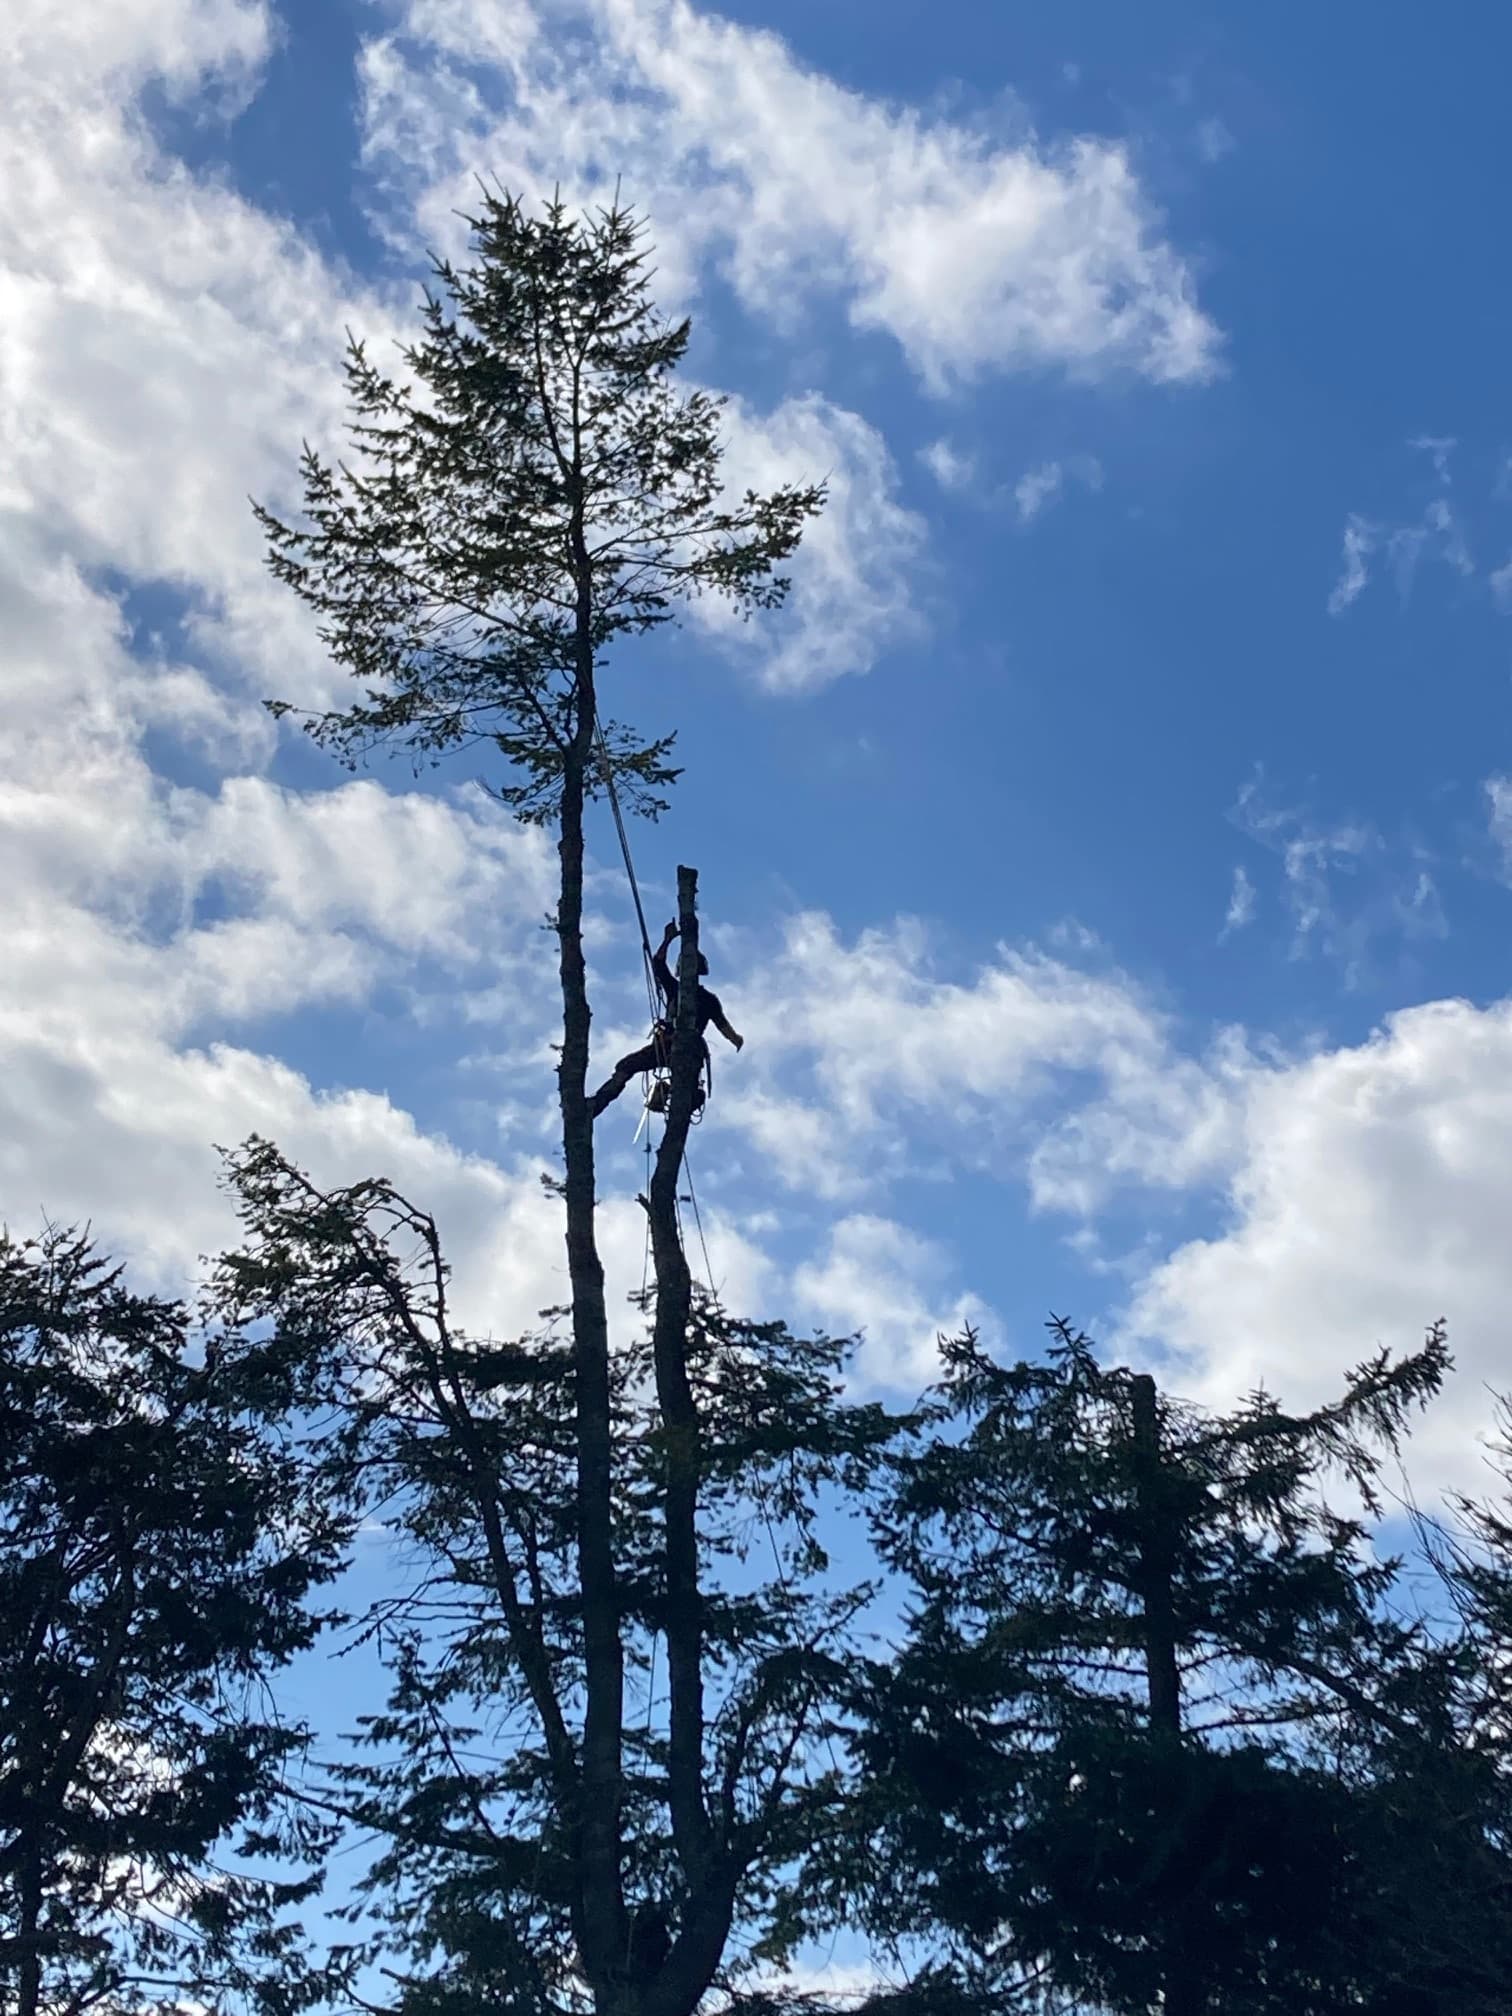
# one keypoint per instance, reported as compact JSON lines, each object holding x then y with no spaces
{"x":602,"y":1787}
{"x":1184,"y":1995}
{"x":680,"y":1425}
{"x":707,"y":1866}
{"x":1162,"y":1673}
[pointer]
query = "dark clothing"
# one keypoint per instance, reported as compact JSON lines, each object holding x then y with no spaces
{"x":655,"y":1058}
{"x":708,"y":1006}
{"x":649,"y":1062}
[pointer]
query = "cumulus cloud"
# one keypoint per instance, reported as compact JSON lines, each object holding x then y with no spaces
{"x":853,"y":576}
{"x":155,"y":933}
{"x":144,"y":922}
{"x":1068,"y":1075}
{"x":159,"y":938}
{"x":877,"y":1277}
{"x":163,"y":345}
{"x":974,"y":251}
{"x":117,"y":43}
{"x":1367,"y":1197}
{"x":1355,"y":1190}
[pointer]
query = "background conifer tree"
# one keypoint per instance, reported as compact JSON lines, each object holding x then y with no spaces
{"x":474,"y":1781}
{"x":161,"y":1534}
{"x":1110,"y":1761}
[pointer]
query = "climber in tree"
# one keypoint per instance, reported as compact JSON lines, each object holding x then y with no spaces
{"x":657,"y":1054}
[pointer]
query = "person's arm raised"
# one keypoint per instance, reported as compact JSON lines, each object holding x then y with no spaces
{"x":662,"y":972}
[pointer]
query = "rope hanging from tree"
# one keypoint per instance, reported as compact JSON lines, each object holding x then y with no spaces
{"x":607,"y":770}
{"x":624,"y":840}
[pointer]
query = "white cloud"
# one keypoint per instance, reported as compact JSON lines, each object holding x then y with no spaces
{"x":118,"y":43}
{"x":1214,"y":140}
{"x":1501,"y":586}
{"x":1367,"y":1198}
{"x":1038,"y":488}
{"x":1359,"y":1190}
{"x":110,"y":1097}
{"x":1438,"y":448}
{"x":853,"y":575}
{"x":1241,"y":906}
{"x":878,"y":1277}
{"x":1437,"y":531}
{"x":950,"y":468}
{"x":144,"y":924}
{"x":163,"y":344}
{"x":863,"y":1063}
{"x":1440,"y":524}
{"x":975,"y":252}
{"x":84,"y":824}
{"x":1499,"y":799}
{"x":163,"y":347}
{"x":1345,"y":888}
{"x":1360,"y":541}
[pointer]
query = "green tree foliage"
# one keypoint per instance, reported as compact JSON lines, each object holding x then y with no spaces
{"x":532,"y":490}
{"x":475,"y":1778}
{"x":1432,"y":1771}
{"x":1156,"y":1705}
{"x":160,"y":1538}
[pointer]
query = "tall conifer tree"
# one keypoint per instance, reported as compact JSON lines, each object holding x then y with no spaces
{"x":1109,"y":1761}
{"x":531,"y":493}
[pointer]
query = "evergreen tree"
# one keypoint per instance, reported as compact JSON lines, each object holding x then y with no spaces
{"x":1109,"y":1761}
{"x":160,"y":1536}
{"x":476,"y":1781}
{"x":1432,"y":1771}
{"x":532,"y":493}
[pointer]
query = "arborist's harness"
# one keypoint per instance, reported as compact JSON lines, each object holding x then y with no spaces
{"x":659,"y":1082}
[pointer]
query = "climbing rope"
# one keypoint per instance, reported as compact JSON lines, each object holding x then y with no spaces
{"x":698,"y":1221}
{"x":607,"y":769}
{"x":648,"y":971}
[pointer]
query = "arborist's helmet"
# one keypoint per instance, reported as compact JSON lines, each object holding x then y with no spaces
{"x":703,"y":964}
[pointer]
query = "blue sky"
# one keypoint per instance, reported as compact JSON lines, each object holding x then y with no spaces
{"x":1108,"y":852}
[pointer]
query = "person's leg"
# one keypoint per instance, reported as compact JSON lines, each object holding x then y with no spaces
{"x":634,"y":1066}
